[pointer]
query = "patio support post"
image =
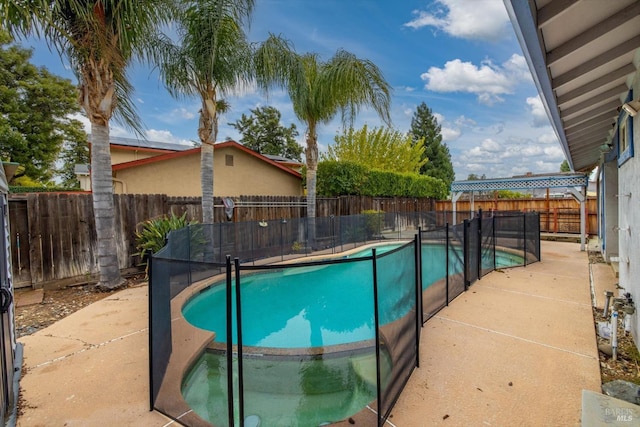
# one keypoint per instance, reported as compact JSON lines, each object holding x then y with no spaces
{"x":454,"y":199}
{"x":580,"y":195}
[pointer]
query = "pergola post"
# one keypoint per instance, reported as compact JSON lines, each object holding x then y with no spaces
{"x":580,"y":194}
{"x":454,"y":199}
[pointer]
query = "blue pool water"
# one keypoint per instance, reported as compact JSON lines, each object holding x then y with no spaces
{"x":296,"y":307}
{"x":315,"y":306}
{"x":309,"y":306}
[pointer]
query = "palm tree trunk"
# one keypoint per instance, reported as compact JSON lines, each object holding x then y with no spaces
{"x":102,"y":189}
{"x":206,"y":181}
{"x":312,"y":168}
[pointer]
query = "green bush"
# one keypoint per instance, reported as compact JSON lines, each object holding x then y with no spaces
{"x":373,"y":221}
{"x":152,"y":234}
{"x":16,"y":189}
{"x":344,"y":178}
{"x":340,"y":178}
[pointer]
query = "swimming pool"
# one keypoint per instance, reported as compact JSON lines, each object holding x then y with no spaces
{"x":301,"y":307}
{"x":320,"y":305}
{"x":288,"y":312}
{"x":288,"y":392}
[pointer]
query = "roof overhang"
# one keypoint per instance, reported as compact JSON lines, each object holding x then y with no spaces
{"x":583,"y":55}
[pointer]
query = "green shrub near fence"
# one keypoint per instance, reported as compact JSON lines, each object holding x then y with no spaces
{"x":17,"y":189}
{"x":336,"y":178}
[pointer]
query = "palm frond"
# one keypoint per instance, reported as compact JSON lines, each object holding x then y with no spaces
{"x":348,"y":83}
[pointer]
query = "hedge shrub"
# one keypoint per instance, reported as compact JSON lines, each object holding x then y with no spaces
{"x":337,"y":178}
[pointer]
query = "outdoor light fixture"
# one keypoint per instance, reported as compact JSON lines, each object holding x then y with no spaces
{"x":631,"y":107}
{"x":605,"y":148}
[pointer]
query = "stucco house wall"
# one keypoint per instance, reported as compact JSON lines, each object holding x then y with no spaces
{"x":628,"y":196}
{"x":236,"y":173}
{"x":130,"y":154}
{"x":609,"y":208}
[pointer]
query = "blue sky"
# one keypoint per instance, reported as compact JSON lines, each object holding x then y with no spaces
{"x":460,"y":57}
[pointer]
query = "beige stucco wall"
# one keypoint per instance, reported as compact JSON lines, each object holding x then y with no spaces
{"x":181,"y":177}
{"x":122,"y":156}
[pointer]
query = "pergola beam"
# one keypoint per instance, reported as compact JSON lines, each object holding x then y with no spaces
{"x":575,"y":182}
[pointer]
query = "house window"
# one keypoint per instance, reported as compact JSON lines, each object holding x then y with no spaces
{"x":228,"y":159}
{"x":625,"y":135}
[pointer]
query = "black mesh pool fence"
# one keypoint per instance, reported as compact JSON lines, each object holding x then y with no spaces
{"x":231,"y":370}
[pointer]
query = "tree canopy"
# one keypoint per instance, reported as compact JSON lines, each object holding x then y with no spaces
{"x":379,"y":148}
{"x":263,"y":132}
{"x":319,"y":90}
{"x":425,"y":126}
{"x":564,"y":166}
{"x":100,"y":38}
{"x":35,"y":109}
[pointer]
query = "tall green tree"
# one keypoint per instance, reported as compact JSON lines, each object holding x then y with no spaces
{"x":35,"y":106}
{"x":100,"y":38}
{"x":319,"y":90}
{"x":263,"y":132}
{"x":564,"y":166}
{"x":379,"y":148}
{"x":425,"y":126}
{"x":75,"y":151}
{"x":212,"y":58}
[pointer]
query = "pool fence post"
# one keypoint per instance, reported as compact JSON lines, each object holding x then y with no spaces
{"x":539,"y":254}
{"x":150,"y":290}
{"x":447,"y":260}
{"x":219,"y":240}
{"x":465,"y":252}
{"x":418,"y":292}
{"x":524,"y":238}
{"x":493,"y":237}
{"x":229,"y":346}
{"x":479,"y":258}
{"x":376,"y":317}
{"x":239,"y":343}
{"x":189,"y":252}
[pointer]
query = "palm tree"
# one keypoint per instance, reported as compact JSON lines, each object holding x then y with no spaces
{"x":212,"y":58}
{"x":100,"y":38}
{"x":318,"y":91}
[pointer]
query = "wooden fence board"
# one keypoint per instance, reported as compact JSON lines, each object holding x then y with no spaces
{"x":53,"y":234}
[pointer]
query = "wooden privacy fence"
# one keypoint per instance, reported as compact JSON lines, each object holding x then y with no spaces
{"x":556,"y":215}
{"x":53,"y":237}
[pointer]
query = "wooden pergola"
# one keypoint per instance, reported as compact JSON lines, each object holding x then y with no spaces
{"x":576,"y":184}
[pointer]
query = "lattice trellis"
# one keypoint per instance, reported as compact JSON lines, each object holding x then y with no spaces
{"x":528,"y":183}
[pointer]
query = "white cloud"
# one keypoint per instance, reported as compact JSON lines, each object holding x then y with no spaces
{"x":450,"y":134}
{"x":466,"y":19}
{"x":183,"y":113}
{"x":491,"y":145}
{"x":488,"y":81}
{"x":140,"y":100}
{"x":82,"y":119}
{"x":165,"y":136}
{"x":548,"y":138}
{"x":448,"y":131}
{"x":538,"y":114}
{"x":465,"y":121}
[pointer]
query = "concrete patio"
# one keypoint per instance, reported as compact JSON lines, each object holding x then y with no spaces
{"x":517,"y":349}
